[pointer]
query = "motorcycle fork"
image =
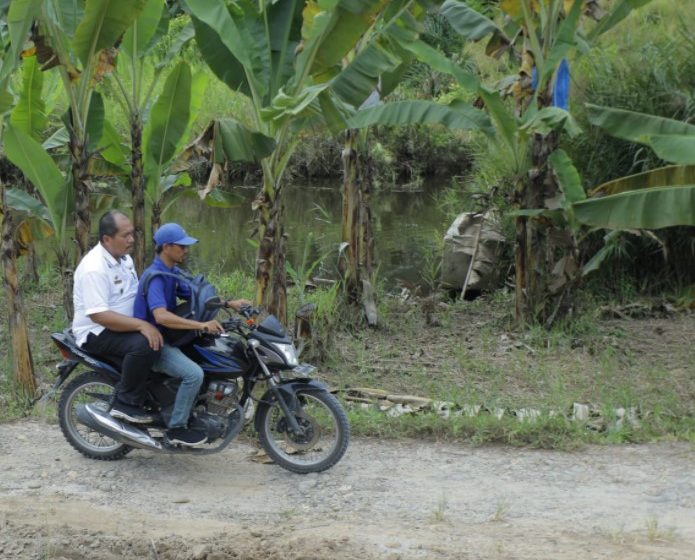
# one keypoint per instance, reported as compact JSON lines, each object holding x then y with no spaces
{"x":273,"y":384}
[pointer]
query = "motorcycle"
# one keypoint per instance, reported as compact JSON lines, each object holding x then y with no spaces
{"x":301,"y":426}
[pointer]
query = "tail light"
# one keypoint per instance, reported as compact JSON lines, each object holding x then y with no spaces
{"x":63,"y":350}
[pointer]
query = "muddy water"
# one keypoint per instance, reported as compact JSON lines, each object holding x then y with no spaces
{"x":408,"y":228}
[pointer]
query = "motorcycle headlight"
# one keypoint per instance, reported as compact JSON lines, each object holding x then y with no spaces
{"x":289,"y":353}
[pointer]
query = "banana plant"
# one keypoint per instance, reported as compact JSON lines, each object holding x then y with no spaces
{"x":80,"y":40}
{"x":373,"y":71}
{"x":299,"y":64}
{"x":134,"y":88}
{"x":282,"y":56}
{"x":19,"y":20}
{"x":663,"y":197}
{"x":24,"y":150}
{"x":541,"y":35}
{"x":170,"y":118}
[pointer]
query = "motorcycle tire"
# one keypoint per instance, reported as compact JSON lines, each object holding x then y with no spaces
{"x":320,"y":411}
{"x":89,"y":386}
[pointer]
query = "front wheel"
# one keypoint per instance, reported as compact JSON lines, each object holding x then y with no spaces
{"x":325,"y":437}
{"x":95,"y":388}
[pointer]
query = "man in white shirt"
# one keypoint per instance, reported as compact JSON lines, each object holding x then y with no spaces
{"x":104,"y":291}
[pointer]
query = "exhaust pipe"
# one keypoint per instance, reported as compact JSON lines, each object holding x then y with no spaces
{"x":101,"y":421}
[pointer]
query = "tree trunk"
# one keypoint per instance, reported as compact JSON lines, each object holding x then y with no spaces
{"x":546,"y":254}
{"x":22,"y":362}
{"x":271,"y":276}
{"x":31,"y":271}
{"x":356,"y":265}
{"x":82,"y":188}
{"x":137,"y":181}
{"x":66,"y":274}
{"x":156,"y":217}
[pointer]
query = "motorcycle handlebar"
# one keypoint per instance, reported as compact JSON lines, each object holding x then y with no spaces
{"x":249,"y":311}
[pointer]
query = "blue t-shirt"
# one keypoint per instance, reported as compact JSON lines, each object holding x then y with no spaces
{"x":161,"y":292}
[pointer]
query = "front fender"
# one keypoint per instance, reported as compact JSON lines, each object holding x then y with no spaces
{"x":287,"y":390}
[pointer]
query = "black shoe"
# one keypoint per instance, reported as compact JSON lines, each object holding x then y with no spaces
{"x":130,"y":413}
{"x":186,"y":436}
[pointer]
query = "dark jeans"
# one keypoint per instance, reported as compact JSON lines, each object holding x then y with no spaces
{"x":137,"y":357}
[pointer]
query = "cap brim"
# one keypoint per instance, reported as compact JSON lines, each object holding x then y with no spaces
{"x":186,"y":241}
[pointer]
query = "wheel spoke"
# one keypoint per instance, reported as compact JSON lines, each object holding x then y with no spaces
{"x":317,"y":443}
{"x":88,"y":394}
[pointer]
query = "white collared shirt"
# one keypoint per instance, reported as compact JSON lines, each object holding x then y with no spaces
{"x":101,"y":283}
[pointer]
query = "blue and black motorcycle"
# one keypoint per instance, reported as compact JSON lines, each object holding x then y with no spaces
{"x":300,"y":424}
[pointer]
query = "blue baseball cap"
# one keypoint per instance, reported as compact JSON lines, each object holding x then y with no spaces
{"x":173,"y":233}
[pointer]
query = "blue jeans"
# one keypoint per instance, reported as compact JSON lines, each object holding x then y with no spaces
{"x":175,"y":363}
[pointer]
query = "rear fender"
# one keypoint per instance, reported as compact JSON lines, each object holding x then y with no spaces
{"x":287,"y":390}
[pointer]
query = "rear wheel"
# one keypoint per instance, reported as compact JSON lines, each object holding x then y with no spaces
{"x":97,"y":389}
{"x":325,"y":437}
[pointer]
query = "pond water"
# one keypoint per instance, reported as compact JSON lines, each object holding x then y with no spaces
{"x":408,"y":227}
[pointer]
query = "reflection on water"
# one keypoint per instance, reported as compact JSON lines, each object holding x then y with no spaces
{"x":407,"y":227}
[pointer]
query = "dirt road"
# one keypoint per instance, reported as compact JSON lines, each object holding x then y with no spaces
{"x":384,"y":500}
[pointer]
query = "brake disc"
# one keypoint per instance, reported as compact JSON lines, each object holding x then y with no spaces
{"x":305,"y":441}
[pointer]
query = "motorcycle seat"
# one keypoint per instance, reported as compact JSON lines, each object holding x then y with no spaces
{"x":113,"y":361}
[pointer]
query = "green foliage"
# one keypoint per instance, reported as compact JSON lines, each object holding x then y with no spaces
{"x":29,"y":114}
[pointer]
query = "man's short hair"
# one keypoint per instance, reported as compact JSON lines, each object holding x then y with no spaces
{"x":107,"y":223}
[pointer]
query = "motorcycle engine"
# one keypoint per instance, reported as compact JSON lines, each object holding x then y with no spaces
{"x":222,"y":397}
{"x":221,"y":400}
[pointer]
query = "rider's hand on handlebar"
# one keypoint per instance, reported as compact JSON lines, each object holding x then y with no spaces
{"x":213,"y":327}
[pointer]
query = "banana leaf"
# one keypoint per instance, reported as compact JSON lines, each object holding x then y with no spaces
{"x":234,"y":142}
{"x":436,"y":60}
{"x":636,"y":127}
{"x":620,"y":10}
{"x":568,"y":177}
{"x":652,"y":208}
{"x":466,"y":21}
{"x":354,"y":84}
{"x":22,"y":201}
{"x":58,"y":139}
{"x":19,"y":19}
{"x":104,"y":21}
{"x":139,"y":35}
{"x":27,"y":154}
{"x":29,"y":115}
{"x":507,"y":125}
{"x":672,"y":175}
{"x":676,"y":149}
{"x":549,"y":119}
{"x":422,"y":112}
{"x":169,"y":117}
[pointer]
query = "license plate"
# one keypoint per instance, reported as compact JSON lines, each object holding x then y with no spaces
{"x":304,"y":369}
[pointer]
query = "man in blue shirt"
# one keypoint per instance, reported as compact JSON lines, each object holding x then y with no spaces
{"x":157,"y":307}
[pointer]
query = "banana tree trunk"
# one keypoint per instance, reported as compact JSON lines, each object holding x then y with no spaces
{"x":156,"y":217}
{"x":81,"y":186}
{"x":22,"y":362}
{"x":546,"y":253}
{"x":137,"y":181}
{"x":356,"y":265}
{"x":31,"y":272}
{"x":66,"y":274}
{"x":271,"y":277}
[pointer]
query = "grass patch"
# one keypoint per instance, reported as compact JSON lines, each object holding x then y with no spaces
{"x":465,"y":353}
